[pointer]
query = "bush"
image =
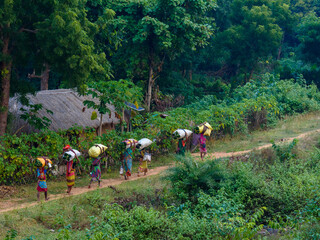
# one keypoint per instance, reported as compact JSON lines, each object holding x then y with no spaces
{"x":190,"y":177}
{"x":208,"y":220}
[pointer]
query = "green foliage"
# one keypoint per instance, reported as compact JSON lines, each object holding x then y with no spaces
{"x":30,"y":114}
{"x":115,"y":93}
{"x":11,"y":235}
{"x":194,"y":89}
{"x":156,"y":31}
{"x":291,"y":97}
{"x":285,"y":153}
{"x":282,"y":186}
{"x":249,"y":34}
{"x":258,"y":104}
{"x":190,"y":177}
{"x":209,"y":220}
{"x":308,"y":31}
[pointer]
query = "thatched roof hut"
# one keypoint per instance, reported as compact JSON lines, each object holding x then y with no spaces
{"x":68,"y":111}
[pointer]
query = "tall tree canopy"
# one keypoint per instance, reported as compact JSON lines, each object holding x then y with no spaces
{"x":52,"y":36}
{"x":153,"y":31}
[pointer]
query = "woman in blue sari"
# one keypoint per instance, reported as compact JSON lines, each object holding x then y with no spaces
{"x":127,"y":162}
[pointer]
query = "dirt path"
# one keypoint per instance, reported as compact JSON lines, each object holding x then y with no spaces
{"x":11,"y":205}
{"x":231,"y":154}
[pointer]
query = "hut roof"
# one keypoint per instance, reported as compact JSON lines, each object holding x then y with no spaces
{"x":67,"y":107}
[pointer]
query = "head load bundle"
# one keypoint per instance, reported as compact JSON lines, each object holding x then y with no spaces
{"x":181,"y":133}
{"x":96,"y":150}
{"x":204,"y":128}
{"x":43,"y":161}
{"x":130,"y":143}
{"x":143,"y":143}
{"x":70,"y":155}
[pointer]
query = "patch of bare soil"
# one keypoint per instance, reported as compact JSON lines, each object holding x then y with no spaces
{"x":7,"y":191}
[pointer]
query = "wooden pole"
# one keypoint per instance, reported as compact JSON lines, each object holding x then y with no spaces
{"x":100,"y":127}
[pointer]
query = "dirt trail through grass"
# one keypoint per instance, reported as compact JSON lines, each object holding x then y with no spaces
{"x":231,"y":154}
{"x":9,"y":205}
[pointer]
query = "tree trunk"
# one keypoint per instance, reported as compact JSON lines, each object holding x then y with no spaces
{"x":251,"y":73}
{"x":100,"y":127}
{"x":5,"y":68}
{"x":150,"y":85}
{"x":280,"y":48}
{"x":45,"y":77}
{"x":190,"y":74}
{"x":122,"y":118}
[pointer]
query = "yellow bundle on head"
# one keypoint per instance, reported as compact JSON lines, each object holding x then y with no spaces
{"x":97,"y":150}
{"x":204,"y":128}
{"x":207,"y":132}
{"x":208,"y":126}
{"x":41,"y":162}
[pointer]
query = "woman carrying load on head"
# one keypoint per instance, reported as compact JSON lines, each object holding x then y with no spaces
{"x":96,"y":171}
{"x":127,"y":162}
{"x":42,"y":180}
{"x":144,"y":156}
{"x":143,"y":164}
{"x":181,"y":147}
{"x":96,"y":152}
{"x":70,"y":175}
{"x":202,"y":146}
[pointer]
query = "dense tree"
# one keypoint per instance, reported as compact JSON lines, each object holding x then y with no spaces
{"x":157,"y":30}
{"x":305,"y":6}
{"x":53,"y":35}
{"x":254,"y":38}
{"x":309,"y":36}
{"x":154,"y":43}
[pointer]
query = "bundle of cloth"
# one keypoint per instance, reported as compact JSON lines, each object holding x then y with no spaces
{"x":204,"y":128}
{"x":43,"y":161}
{"x":143,"y":143}
{"x":129,"y":143}
{"x":70,"y":155}
{"x":181,"y":133}
{"x":96,"y":150}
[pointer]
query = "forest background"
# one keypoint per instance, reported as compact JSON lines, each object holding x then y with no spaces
{"x":241,"y":65}
{"x":176,"y":52}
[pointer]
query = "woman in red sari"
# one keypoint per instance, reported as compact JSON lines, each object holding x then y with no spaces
{"x":70,"y":175}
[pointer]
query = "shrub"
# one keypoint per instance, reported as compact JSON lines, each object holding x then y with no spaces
{"x":189,"y":177}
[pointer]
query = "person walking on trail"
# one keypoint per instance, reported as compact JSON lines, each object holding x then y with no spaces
{"x":70,"y":175}
{"x":42,"y":182}
{"x":96,"y":171}
{"x":181,"y":147}
{"x":143,"y":162}
{"x":202,"y":146}
{"x":127,"y":162}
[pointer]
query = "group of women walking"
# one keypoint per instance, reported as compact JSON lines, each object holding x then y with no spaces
{"x":98,"y":152}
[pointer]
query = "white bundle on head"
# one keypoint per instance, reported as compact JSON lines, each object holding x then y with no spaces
{"x":183,"y":133}
{"x":143,"y":143}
